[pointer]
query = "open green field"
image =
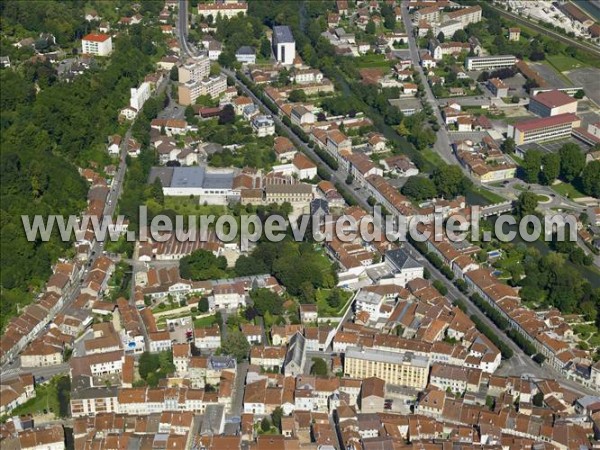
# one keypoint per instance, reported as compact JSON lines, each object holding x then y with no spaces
{"x":372,"y":61}
{"x":323,"y":307}
{"x":205,"y":322}
{"x":567,"y":190}
{"x":488,"y":195}
{"x":191,"y":206}
{"x":564,"y":63}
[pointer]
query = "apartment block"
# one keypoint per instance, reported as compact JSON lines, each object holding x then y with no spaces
{"x":401,"y":369}
{"x":96,"y":44}
{"x":194,"y":70}
{"x":191,"y":90}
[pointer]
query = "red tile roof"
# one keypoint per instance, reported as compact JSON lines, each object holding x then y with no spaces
{"x":529,"y":125}
{"x":96,"y":37}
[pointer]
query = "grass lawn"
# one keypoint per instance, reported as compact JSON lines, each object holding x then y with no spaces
{"x":564,"y":63}
{"x":489,"y":195}
{"x":205,"y":322}
{"x":190,"y":206}
{"x":46,"y":397}
{"x":323,"y":307}
{"x":567,"y":190}
{"x":371,"y":61}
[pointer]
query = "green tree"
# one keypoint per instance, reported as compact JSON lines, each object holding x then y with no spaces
{"x":550,"y":168}
{"x":265,"y":48}
{"x":249,"y":265}
{"x":508,"y":146}
{"x":236,"y":345}
{"x":203,"y":305}
{"x":370,"y":28}
{"x":157,"y":191}
{"x":265,"y":424}
{"x":419,"y":188}
{"x":190,"y":114}
{"x":450,"y":181}
{"x":538,"y":399}
{"x":532,"y":163}
{"x":227,"y":115}
{"x":276,"y":415}
{"x":526,"y":204}
{"x":202,"y":265}
{"x":266,"y":300}
{"x":319,"y":367}
{"x":441,"y":37}
{"x":590,"y":179}
{"x":174,"y":74}
{"x":460,"y":36}
{"x":297,"y":95}
{"x":572,"y":161}
{"x":579,"y":94}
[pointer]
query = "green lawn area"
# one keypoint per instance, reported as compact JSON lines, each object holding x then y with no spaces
{"x":372,"y":60}
{"x":205,"y":322}
{"x":567,"y":190}
{"x":489,"y":195}
{"x":191,"y":206}
{"x":564,"y":63}
{"x":46,"y":398}
{"x":323,"y":307}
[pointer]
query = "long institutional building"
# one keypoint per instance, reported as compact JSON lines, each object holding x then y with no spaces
{"x":545,"y":129}
{"x":490,"y":62}
{"x":401,"y":369}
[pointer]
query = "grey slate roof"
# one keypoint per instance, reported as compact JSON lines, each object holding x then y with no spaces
{"x":401,"y":260}
{"x":282,"y":34}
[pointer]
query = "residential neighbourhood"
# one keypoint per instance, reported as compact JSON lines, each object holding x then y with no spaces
{"x":431,"y":112}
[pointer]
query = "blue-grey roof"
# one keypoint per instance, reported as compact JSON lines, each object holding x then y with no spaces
{"x":189,"y":177}
{"x":401,"y":260}
{"x":282,"y":34}
{"x":200,"y":177}
{"x":245,"y":50}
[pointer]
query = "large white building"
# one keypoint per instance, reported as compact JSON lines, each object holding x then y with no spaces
{"x":490,"y":62}
{"x":213,"y":186}
{"x":96,"y":44}
{"x":223,"y":9}
{"x":284,"y":46}
{"x":139,"y":96}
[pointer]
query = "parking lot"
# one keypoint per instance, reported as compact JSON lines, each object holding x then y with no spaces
{"x":589,"y":78}
{"x":178,"y":328}
{"x":553,"y":78}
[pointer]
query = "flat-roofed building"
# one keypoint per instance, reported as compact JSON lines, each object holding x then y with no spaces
{"x":214,"y":186}
{"x":545,"y":129}
{"x":490,"y":62}
{"x":397,"y":368}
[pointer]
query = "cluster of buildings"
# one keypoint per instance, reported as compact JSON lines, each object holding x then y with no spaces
{"x":433,"y":18}
{"x":195,"y":81}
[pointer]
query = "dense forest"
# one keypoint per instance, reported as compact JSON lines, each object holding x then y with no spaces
{"x":49,"y":128}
